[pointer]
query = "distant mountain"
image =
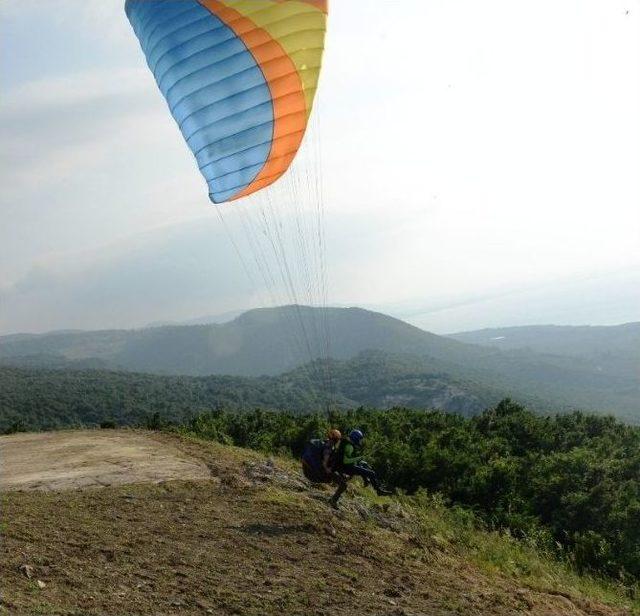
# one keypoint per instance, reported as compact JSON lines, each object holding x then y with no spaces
{"x":207,"y":319}
{"x":561,"y":340}
{"x":259,"y":342}
{"x":612,"y":349}
{"x":55,"y":362}
{"x":274,"y":341}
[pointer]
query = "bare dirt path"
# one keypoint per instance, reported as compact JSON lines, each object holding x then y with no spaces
{"x":77,"y":459}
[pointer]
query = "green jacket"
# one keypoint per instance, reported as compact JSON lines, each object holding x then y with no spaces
{"x":350,"y":455}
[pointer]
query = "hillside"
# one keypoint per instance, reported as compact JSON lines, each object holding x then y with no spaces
{"x":37,"y":398}
{"x":612,"y":349}
{"x":587,"y":340}
{"x":259,"y":342}
{"x":251,"y":538}
{"x":265,"y":342}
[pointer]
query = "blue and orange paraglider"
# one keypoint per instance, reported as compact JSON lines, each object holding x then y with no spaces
{"x":240,"y":78}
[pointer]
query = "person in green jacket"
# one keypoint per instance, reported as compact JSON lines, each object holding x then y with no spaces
{"x":349,"y":462}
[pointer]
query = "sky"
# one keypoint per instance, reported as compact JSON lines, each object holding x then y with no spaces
{"x":480,"y":165}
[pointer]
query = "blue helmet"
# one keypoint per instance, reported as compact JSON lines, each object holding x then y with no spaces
{"x":356,"y":436}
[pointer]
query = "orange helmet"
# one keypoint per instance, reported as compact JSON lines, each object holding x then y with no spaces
{"x":334,"y":435}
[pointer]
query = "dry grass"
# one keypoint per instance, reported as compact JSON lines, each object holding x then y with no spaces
{"x":254,"y":539}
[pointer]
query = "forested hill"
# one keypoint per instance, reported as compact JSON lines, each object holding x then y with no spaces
{"x":259,"y":342}
{"x":271,"y":342}
{"x":39,"y":398}
{"x":615,"y":348}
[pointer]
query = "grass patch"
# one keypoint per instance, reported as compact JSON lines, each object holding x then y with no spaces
{"x":496,"y":553}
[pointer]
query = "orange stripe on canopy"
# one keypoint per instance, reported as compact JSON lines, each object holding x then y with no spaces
{"x":285,"y":85}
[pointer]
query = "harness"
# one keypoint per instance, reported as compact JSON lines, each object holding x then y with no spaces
{"x":312,"y":458}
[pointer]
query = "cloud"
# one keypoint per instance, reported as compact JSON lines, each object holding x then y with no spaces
{"x":106,"y":15}
{"x":64,"y":125}
{"x":175,"y":273}
{"x":608,"y":298}
{"x":451,"y":168}
{"x":84,"y":161}
{"x":169,"y":273}
{"x":57,"y":93}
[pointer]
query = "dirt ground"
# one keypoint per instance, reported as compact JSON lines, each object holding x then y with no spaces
{"x":244,"y":536}
{"x":78,"y":459}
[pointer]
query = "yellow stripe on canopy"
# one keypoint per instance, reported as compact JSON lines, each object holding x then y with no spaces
{"x":299,"y":27}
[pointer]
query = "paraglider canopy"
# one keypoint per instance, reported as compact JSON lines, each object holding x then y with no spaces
{"x":239,"y":77}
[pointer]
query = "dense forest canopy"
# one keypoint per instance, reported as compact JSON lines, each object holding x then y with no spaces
{"x":36,"y":398}
{"x":569,"y":483}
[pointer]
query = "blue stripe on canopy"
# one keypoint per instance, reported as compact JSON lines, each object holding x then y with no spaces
{"x":215,"y":90}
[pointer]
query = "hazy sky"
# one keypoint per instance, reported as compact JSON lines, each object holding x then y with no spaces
{"x":481,"y":164}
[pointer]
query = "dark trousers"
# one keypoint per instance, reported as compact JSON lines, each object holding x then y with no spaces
{"x":346,"y":472}
{"x":368,"y":474}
